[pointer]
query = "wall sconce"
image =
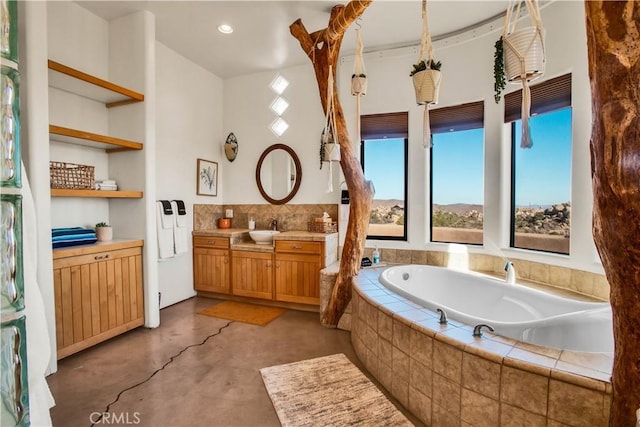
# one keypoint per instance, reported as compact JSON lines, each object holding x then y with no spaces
{"x":231,"y":147}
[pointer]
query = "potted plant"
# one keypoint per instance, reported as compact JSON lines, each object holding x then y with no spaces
{"x":104,"y":232}
{"x":359,"y":84}
{"x":426,"y":81}
{"x":499,"y":81}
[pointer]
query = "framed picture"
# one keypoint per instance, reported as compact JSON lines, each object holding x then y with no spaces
{"x":207,"y":178}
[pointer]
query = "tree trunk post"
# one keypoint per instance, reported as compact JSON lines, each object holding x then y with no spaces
{"x":323,"y":48}
{"x":613,"y":39}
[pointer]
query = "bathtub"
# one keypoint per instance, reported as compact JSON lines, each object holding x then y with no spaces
{"x":514,"y":311}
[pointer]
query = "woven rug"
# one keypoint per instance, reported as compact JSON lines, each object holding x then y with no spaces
{"x":328,"y":391}
{"x":241,"y":312}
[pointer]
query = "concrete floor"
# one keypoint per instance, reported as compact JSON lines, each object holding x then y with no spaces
{"x":216,"y":384}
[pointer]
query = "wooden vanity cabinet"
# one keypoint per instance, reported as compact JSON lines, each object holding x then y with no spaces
{"x":211,"y":264}
{"x":252,"y":274}
{"x":297,"y":271}
{"x":98,"y":293}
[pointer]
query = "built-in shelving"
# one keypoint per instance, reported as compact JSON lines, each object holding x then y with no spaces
{"x":120,"y":194}
{"x":94,"y":140}
{"x":75,"y":81}
{"x":112,"y":95}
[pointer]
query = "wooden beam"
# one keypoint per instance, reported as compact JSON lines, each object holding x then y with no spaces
{"x":613,"y":39}
{"x":323,"y":47}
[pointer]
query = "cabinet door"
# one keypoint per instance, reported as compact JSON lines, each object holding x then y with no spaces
{"x":252,"y":274}
{"x":97,"y":297}
{"x":298,"y":278}
{"x":211,"y":270}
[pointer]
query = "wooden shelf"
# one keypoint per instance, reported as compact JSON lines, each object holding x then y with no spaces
{"x":94,"y":140}
{"x":83,"y":84}
{"x":120,"y":194}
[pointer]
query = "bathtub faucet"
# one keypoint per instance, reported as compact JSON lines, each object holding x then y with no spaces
{"x":477,"y":331}
{"x":443,"y":316}
{"x":511,"y":273}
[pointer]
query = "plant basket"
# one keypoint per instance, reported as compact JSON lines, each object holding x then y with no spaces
{"x":104,"y":234}
{"x":358,"y":86}
{"x":427,"y":86}
{"x":331,"y":152}
{"x":528,"y":43}
{"x":322,"y":227}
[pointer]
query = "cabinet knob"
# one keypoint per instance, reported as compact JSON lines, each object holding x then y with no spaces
{"x":277,"y":265}
{"x":226,"y":261}
{"x":269,"y":265}
{"x":211,"y":242}
{"x":101,"y":256}
{"x":296,"y":247}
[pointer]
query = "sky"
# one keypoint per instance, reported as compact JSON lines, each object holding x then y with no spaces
{"x":385,"y":167}
{"x":543,"y":172}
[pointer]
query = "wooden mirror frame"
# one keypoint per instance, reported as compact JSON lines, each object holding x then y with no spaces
{"x":296,"y":185}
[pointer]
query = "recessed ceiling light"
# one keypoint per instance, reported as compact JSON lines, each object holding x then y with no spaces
{"x":225,"y":28}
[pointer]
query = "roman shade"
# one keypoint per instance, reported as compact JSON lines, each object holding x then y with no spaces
{"x":457,"y":117}
{"x":387,"y":125}
{"x":550,"y":95}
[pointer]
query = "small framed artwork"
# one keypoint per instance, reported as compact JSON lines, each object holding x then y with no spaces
{"x":207,"y":178}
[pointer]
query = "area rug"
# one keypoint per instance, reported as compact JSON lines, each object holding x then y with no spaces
{"x":241,"y":312}
{"x":328,"y":391}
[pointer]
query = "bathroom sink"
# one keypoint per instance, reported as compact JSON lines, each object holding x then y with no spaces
{"x":263,"y":237}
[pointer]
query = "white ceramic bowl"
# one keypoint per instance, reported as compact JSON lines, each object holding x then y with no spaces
{"x":263,"y":237}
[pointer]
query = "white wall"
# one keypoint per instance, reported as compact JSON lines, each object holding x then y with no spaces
{"x":248,"y":116}
{"x":468,"y":76}
{"x":188,"y":126}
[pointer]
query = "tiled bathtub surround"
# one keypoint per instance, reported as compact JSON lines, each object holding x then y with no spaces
{"x":446,"y":377}
{"x":583,"y":282}
{"x":290,"y":217}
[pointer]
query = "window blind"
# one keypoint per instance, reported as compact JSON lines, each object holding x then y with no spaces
{"x":386,"y":125}
{"x":457,"y":117}
{"x":552,"y":94}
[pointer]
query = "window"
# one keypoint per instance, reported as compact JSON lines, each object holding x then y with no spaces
{"x":541,"y":175}
{"x":457,"y":173}
{"x":384,"y":161}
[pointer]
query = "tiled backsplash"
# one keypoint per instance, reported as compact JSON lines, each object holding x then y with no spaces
{"x":290,"y":217}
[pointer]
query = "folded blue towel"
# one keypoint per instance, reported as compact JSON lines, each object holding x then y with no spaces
{"x":64,"y":237}
{"x":83,"y":236}
{"x":70,"y":231}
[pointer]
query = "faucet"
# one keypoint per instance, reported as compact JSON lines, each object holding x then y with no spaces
{"x":511,"y":273}
{"x":443,"y":316}
{"x":274,"y":224}
{"x":477,"y":331}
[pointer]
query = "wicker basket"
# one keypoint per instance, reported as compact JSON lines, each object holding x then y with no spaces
{"x":71,"y":175}
{"x":322,"y":227}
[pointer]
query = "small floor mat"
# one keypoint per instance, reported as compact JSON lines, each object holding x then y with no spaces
{"x":328,"y":391}
{"x":241,"y":312}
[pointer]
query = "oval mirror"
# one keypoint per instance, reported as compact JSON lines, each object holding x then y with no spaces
{"x":278,"y":174}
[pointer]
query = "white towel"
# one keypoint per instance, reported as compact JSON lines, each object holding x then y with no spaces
{"x":164,"y":224}
{"x":180,"y":235}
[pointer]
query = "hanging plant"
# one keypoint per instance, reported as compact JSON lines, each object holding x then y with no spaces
{"x":359,"y":84}
{"x":422,"y":65}
{"x":499,"y":81}
{"x":426,"y":77}
{"x":524,"y":56}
